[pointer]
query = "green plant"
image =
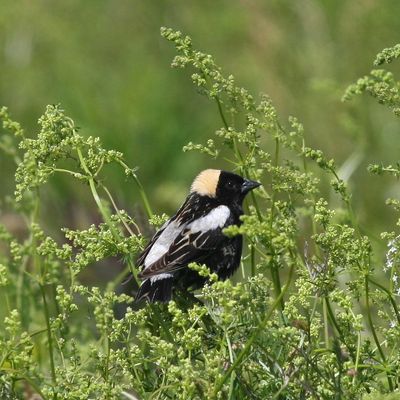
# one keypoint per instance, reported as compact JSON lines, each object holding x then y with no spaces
{"x":301,"y":323}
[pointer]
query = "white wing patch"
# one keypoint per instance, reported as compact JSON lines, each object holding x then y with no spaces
{"x":213,"y":220}
{"x":158,"y":277}
{"x":163,"y":243}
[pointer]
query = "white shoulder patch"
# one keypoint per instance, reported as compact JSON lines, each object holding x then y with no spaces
{"x":213,"y":220}
{"x":163,"y":243}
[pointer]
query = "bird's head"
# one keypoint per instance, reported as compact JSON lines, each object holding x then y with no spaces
{"x":226,"y":187}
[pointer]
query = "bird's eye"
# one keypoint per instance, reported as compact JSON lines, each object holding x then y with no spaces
{"x":229,"y":185}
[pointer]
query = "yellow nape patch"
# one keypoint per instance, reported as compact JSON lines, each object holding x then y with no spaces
{"x":206,"y":182}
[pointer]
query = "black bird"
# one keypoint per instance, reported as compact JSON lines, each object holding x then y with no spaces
{"x":194,"y":234}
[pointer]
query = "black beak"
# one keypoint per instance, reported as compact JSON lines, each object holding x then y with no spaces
{"x":248,"y":185}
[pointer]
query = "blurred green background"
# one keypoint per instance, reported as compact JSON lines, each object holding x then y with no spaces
{"x":106,"y":63}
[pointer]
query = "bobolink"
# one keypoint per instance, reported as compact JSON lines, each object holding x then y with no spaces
{"x":194,"y":234}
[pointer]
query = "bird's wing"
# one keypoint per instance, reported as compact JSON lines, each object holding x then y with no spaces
{"x":183,"y":216}
{"x":145,"y":252}
{"x":198,"y":238}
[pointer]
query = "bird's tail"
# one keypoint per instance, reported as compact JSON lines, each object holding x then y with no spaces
{"x":152,"y":290}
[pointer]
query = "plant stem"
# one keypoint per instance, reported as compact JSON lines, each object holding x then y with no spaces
{"x":325,"y":316}
{"x":22,"y":269}
{"x":142,"y":192}
{"x":127,"y":227}
{"x":49,"y":337}
{"x":252,"y":260}
{"x":276,"y":280}
{"x":274,"y":269}
{"x":221,"y":113}
{"x":233,"y":375}
{"x":391,"y":299}
{"x":357,"y":353}
{"x":96,"y":197}
{"x":332,"y":318}
{"x":143,"y":196}
{"x":371,"y":326}
{"x":107,"y":371}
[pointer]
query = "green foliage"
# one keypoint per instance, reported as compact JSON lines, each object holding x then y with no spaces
{"x":301,"y":324}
